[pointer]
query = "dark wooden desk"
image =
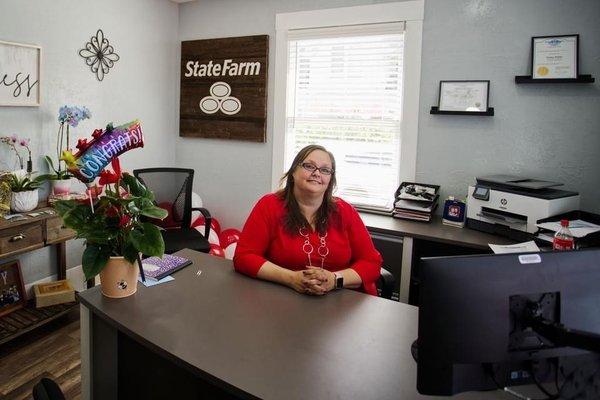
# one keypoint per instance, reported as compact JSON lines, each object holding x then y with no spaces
{"x":434,"y":231}
{"x":420,"y":239}
{"x":220,"y":334}
{"x":19,"y":237}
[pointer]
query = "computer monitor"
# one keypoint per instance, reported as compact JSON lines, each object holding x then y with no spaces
{"x":481,"y":318}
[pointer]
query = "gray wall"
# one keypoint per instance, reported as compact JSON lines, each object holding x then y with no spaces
{"x":546,"y":131}
{"x":543,"y":131}
{"x":232,"y":175}
{"x":141,"y":85}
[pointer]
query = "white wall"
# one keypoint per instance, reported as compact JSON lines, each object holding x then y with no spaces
{"x":543,"y":131}
{"x":141,"y":85}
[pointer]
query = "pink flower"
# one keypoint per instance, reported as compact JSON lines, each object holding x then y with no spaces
{"x":14,"y":138}
{"x":24,"y":142}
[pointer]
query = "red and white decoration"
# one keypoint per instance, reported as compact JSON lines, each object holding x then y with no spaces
{"x":222,"y":242}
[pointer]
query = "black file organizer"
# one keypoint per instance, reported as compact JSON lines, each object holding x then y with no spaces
{"x":404,"y":184}
{"x":591,"y":240}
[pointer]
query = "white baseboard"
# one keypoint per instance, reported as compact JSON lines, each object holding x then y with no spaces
{"x":74,"y":275}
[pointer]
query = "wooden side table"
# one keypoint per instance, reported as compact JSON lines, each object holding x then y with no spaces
{"x":19,"y":237}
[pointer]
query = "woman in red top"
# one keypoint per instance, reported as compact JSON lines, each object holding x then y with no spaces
{"x":304,"y":238}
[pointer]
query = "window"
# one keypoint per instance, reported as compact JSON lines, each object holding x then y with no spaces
{"x":348,"y":79}
{"x":344,"y":91}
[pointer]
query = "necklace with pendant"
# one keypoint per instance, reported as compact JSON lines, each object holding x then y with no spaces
{"x":308,"y":248}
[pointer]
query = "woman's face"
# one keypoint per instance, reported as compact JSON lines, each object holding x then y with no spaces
{"x":314,"y":182}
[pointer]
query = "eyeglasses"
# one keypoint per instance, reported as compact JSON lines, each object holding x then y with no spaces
{"x":312,"y":168}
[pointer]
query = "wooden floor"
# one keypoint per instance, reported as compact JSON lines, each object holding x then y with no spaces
{"x":50,"y":351}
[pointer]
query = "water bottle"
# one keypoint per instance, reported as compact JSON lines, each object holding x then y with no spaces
{"x":563,"y":239}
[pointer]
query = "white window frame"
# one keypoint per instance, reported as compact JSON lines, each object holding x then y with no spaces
{"x":409,"y":12}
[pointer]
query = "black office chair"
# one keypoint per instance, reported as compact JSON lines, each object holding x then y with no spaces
{"x":172,"y":189}
{"x":385,"y":284}
{"x":47,"y":389}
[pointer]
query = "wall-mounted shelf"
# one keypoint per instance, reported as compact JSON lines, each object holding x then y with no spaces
{"x":579,"y":79}
{"x":436,"y":110}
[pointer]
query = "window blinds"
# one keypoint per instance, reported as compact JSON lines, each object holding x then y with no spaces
{"x":344,"y":91}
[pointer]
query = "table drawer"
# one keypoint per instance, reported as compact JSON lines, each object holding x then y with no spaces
{"x":21,"y":237}
{"x":56,"y":231}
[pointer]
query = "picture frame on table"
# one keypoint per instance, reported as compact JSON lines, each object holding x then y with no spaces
{"x":555,"y":57}
{"x":21,"y":74}
{"x":464,"y":96}
{"x":12,"y":289}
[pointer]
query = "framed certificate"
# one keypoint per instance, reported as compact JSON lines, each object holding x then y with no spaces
{"x":466,"y":96}
{"x":555,"y":57}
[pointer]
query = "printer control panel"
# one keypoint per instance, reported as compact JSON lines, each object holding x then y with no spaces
{"x":481,"y":193}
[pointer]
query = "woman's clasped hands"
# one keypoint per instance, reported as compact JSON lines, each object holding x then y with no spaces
{"x":313,"y":281}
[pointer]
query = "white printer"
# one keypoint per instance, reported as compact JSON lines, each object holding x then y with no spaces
{"x":511,"y":206}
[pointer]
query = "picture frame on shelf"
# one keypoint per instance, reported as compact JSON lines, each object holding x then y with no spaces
{"x":466,"y":96}
{"x":21,"y":74}
{"x":555,"y":57}
{"x":12,"y":289}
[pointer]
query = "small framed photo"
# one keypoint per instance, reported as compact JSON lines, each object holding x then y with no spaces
{"x":466,"y":96}
{"x":12,"y":290}
{"x":555,"y":57}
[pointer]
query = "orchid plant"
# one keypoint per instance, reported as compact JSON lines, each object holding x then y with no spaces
{"x":67,"y":117}
{"x":12,"y":142}
{"x":113,"y":223}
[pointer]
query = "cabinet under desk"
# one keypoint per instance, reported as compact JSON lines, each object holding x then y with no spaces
{"x":402,"y":243}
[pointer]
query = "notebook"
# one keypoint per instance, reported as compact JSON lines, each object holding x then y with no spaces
{"x":156,"y":268}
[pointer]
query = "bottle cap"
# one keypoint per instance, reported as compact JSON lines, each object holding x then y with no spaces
{"x":564,"y":222}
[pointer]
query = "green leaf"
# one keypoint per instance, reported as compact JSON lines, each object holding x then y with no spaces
{"x":94,"y":259}
{"x":148,"y":240}
{"x":135,"y":187}
{"x":133,"y":208}
{"x":51,"y":164}
{"x":75,"y":215}
{"x":154,"y":212}
{"x":130,"y":253}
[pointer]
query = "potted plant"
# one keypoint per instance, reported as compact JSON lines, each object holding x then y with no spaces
{"x":60,"y":179}
{"x":115,"y":230}
{"x":24,"y":190}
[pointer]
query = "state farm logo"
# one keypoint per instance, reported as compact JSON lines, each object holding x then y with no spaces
{"x":220,"y":100}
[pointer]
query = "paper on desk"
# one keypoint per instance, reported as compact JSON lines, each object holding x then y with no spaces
{"x":152,"y":282}
{"x":525,"y":247}
{"x":579,"y":228}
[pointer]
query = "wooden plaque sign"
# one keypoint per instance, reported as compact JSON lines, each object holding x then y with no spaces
{"x":224,"y":88}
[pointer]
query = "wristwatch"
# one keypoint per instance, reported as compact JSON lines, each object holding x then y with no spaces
{"x":339,"y":281}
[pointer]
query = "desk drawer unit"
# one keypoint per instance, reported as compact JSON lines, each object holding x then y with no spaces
{"x":20,"y":238}
{"x":56,"y":231}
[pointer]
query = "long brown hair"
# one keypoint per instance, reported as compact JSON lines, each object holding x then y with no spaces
{"x":294,"y":219}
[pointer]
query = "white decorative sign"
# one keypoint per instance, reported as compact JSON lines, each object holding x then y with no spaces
{"x":20,"y":74}
{"x":220,"y":100}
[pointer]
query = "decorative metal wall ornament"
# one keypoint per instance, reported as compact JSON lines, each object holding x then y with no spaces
{"x":99,"y":55}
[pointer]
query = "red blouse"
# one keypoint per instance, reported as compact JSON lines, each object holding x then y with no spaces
{"x":265,"y":238}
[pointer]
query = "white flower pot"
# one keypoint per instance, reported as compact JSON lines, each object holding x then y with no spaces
{"x":24,"y":201}
{"x":61,"y":186}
